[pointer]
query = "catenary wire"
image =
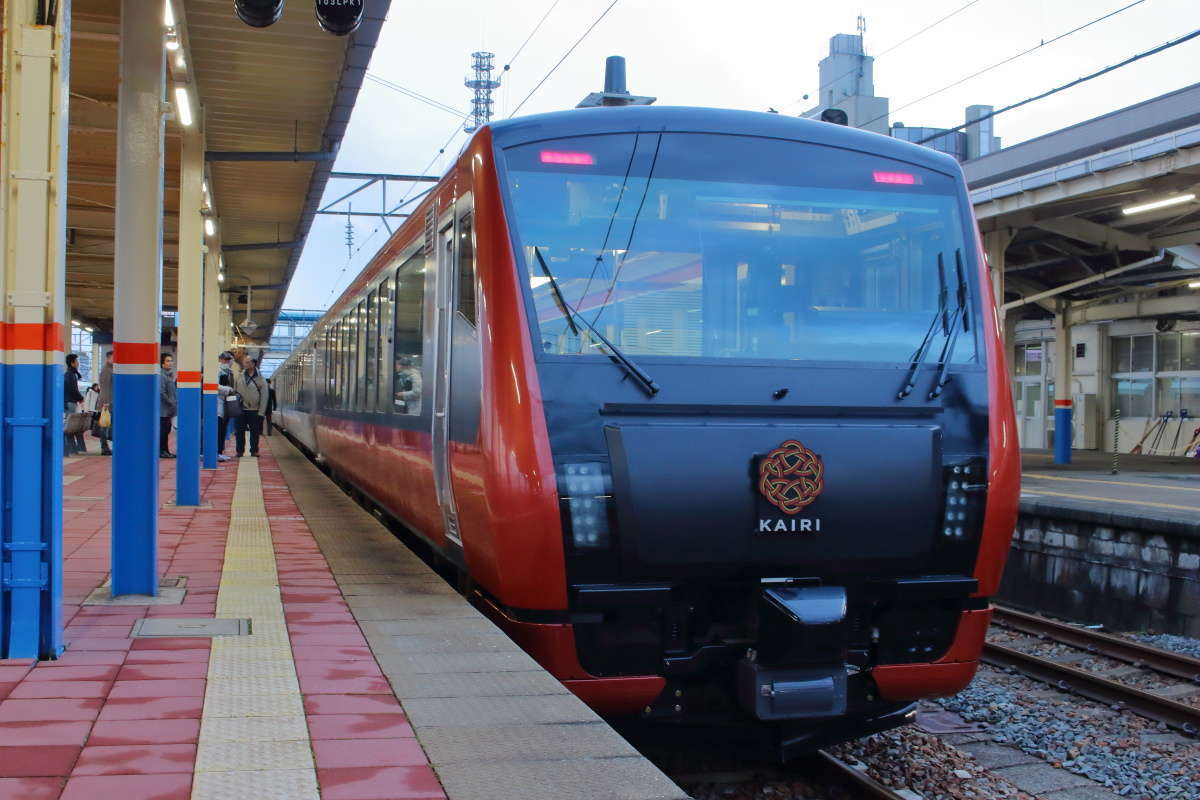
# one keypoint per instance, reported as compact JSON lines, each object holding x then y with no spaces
{"x":565,"y":55}
{"x":550,"y":10}
{"x":1076,"y":82}
{"x":1008,"y":60}
{"x":898,"y":44}
{"x":457,"y":127}
{"x":415,"y":95}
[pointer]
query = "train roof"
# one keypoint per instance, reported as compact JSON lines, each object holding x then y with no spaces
{"x":625,"y":119}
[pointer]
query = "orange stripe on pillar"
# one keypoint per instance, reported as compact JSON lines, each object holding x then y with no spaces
{"x":31,"y":336}
{"x":210,"y":387}
{"x":135,"y":353}
{"x":188,"y":376}
{"x":1063,"y":403}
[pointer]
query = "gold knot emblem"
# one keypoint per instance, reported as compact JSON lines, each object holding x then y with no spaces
{"x":791,"y":477}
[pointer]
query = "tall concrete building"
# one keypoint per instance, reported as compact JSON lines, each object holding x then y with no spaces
{"x":847,"y":84}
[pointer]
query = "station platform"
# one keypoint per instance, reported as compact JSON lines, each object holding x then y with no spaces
{"x":349,"y":670}
{"x":1149,"y":493}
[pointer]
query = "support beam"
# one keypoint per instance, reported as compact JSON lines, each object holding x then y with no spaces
{"x":211,"y":350}
{"x":385,"y":176}
{"x":1136,"y":307}
{"x":191,"y":295}
{"x":1087,"y":231}
{"x":1155,"y":259}
{"x":238,"y":248}
{"x":33,"y":182}
{"x":138,"y":278}
{"x":996,"y":244}
{"x":264,"y":156}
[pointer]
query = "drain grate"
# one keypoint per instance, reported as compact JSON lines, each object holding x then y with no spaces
{"x":153,"y":627}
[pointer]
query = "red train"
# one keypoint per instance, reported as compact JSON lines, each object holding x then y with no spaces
{"x":709,"y":406}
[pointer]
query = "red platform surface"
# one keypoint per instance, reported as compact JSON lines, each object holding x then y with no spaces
{"x":120,"y":718}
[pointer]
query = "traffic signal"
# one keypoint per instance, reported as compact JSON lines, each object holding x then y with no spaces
{"x":258,"y":13}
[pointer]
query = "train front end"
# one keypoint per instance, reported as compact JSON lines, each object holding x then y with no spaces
{"x":773,"y":389}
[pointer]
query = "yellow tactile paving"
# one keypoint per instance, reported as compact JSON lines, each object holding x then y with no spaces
{"x":253,"y":738}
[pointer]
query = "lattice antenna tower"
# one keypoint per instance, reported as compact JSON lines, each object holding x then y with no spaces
{"x":349,"y":234}
{"x":482,"y":83}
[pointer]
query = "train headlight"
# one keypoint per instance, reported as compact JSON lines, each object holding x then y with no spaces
{"x":966,"y":491}
{"x":585,"y":489}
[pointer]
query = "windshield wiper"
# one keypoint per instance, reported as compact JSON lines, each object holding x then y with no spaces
{"x":910,"y":378}
{"x":644,"y":381}
{"x":960,"y":312}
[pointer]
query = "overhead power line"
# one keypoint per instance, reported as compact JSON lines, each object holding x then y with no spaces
{"x":1008,"y":60}
{"x":509,"y":63}
{"x":404,"y":90}
{"x":897,"y":45}
{"x":1076,"y":82}
{"x":565,"y":55}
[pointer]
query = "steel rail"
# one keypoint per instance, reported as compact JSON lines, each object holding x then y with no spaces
{"x":821,"y":766}
{"x":1176,"y":665}
{"x":1070,"y":679}
{"x":856,"y":781}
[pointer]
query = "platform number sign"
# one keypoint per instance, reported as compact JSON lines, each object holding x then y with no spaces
{"x":339,"y":17}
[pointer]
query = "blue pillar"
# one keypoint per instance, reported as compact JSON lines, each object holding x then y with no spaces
{"x":187,"y":446}
{"x":135,"y":480}
{"x":33,"y":308}
{"x":31,"y":599}
{"x":137,"y":302}
{"x":209,"y":435}
{"x":1062,"y":431}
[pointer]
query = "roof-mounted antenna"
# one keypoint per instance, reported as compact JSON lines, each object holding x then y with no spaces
{"x":615,"y":93}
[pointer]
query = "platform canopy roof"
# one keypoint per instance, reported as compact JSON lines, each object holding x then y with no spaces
{"x":1104,"y":214}
{"x":275,"y":104}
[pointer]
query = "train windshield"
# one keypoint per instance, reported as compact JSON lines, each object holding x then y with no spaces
{"x":720,"y":246}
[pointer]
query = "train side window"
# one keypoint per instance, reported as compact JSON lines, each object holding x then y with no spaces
{"x":358,"y":359}
{"x":347,"y":385}
{"x":466,"y":269}
{"x":407,"y":343}
{"x":386,"y":330}
{"x":370,"y":352}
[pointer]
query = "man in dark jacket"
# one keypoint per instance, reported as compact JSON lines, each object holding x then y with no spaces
{"x":105,"y":401}
{"x":72,"y":397}
{"x":166,"y":403}
{"x":253,"y":389}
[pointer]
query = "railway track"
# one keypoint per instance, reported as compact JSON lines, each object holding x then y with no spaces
{"x":830,"y":771}
{"x":1179,"y":716}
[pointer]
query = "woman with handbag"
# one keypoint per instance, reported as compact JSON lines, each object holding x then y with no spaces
{"x":72,"y":397}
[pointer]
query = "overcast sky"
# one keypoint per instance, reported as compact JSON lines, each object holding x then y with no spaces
{"x":752,"y":54}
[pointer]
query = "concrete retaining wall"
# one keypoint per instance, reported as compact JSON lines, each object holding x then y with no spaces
{"x":1122,"y":576}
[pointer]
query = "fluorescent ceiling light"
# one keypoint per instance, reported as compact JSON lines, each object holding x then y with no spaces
{"x":210,"y":227}
{"x":183,"y":104}
{"x":221,"y":277}
{"x":172,"y":42}
{"x":1194,"y":285}
{"x":168,"y":14}
{"x":179,"y":62}
{"x":1174,"y":200}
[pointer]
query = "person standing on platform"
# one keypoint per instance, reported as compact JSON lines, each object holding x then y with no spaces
{"x":105,"y":401}
{"x":72,"y":397}
{"x":166,"y":403}
{"x":253,"y":389}
{"x":270,"y":405}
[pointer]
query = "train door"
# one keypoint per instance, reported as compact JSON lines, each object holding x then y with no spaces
{"x":443,"y":349}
